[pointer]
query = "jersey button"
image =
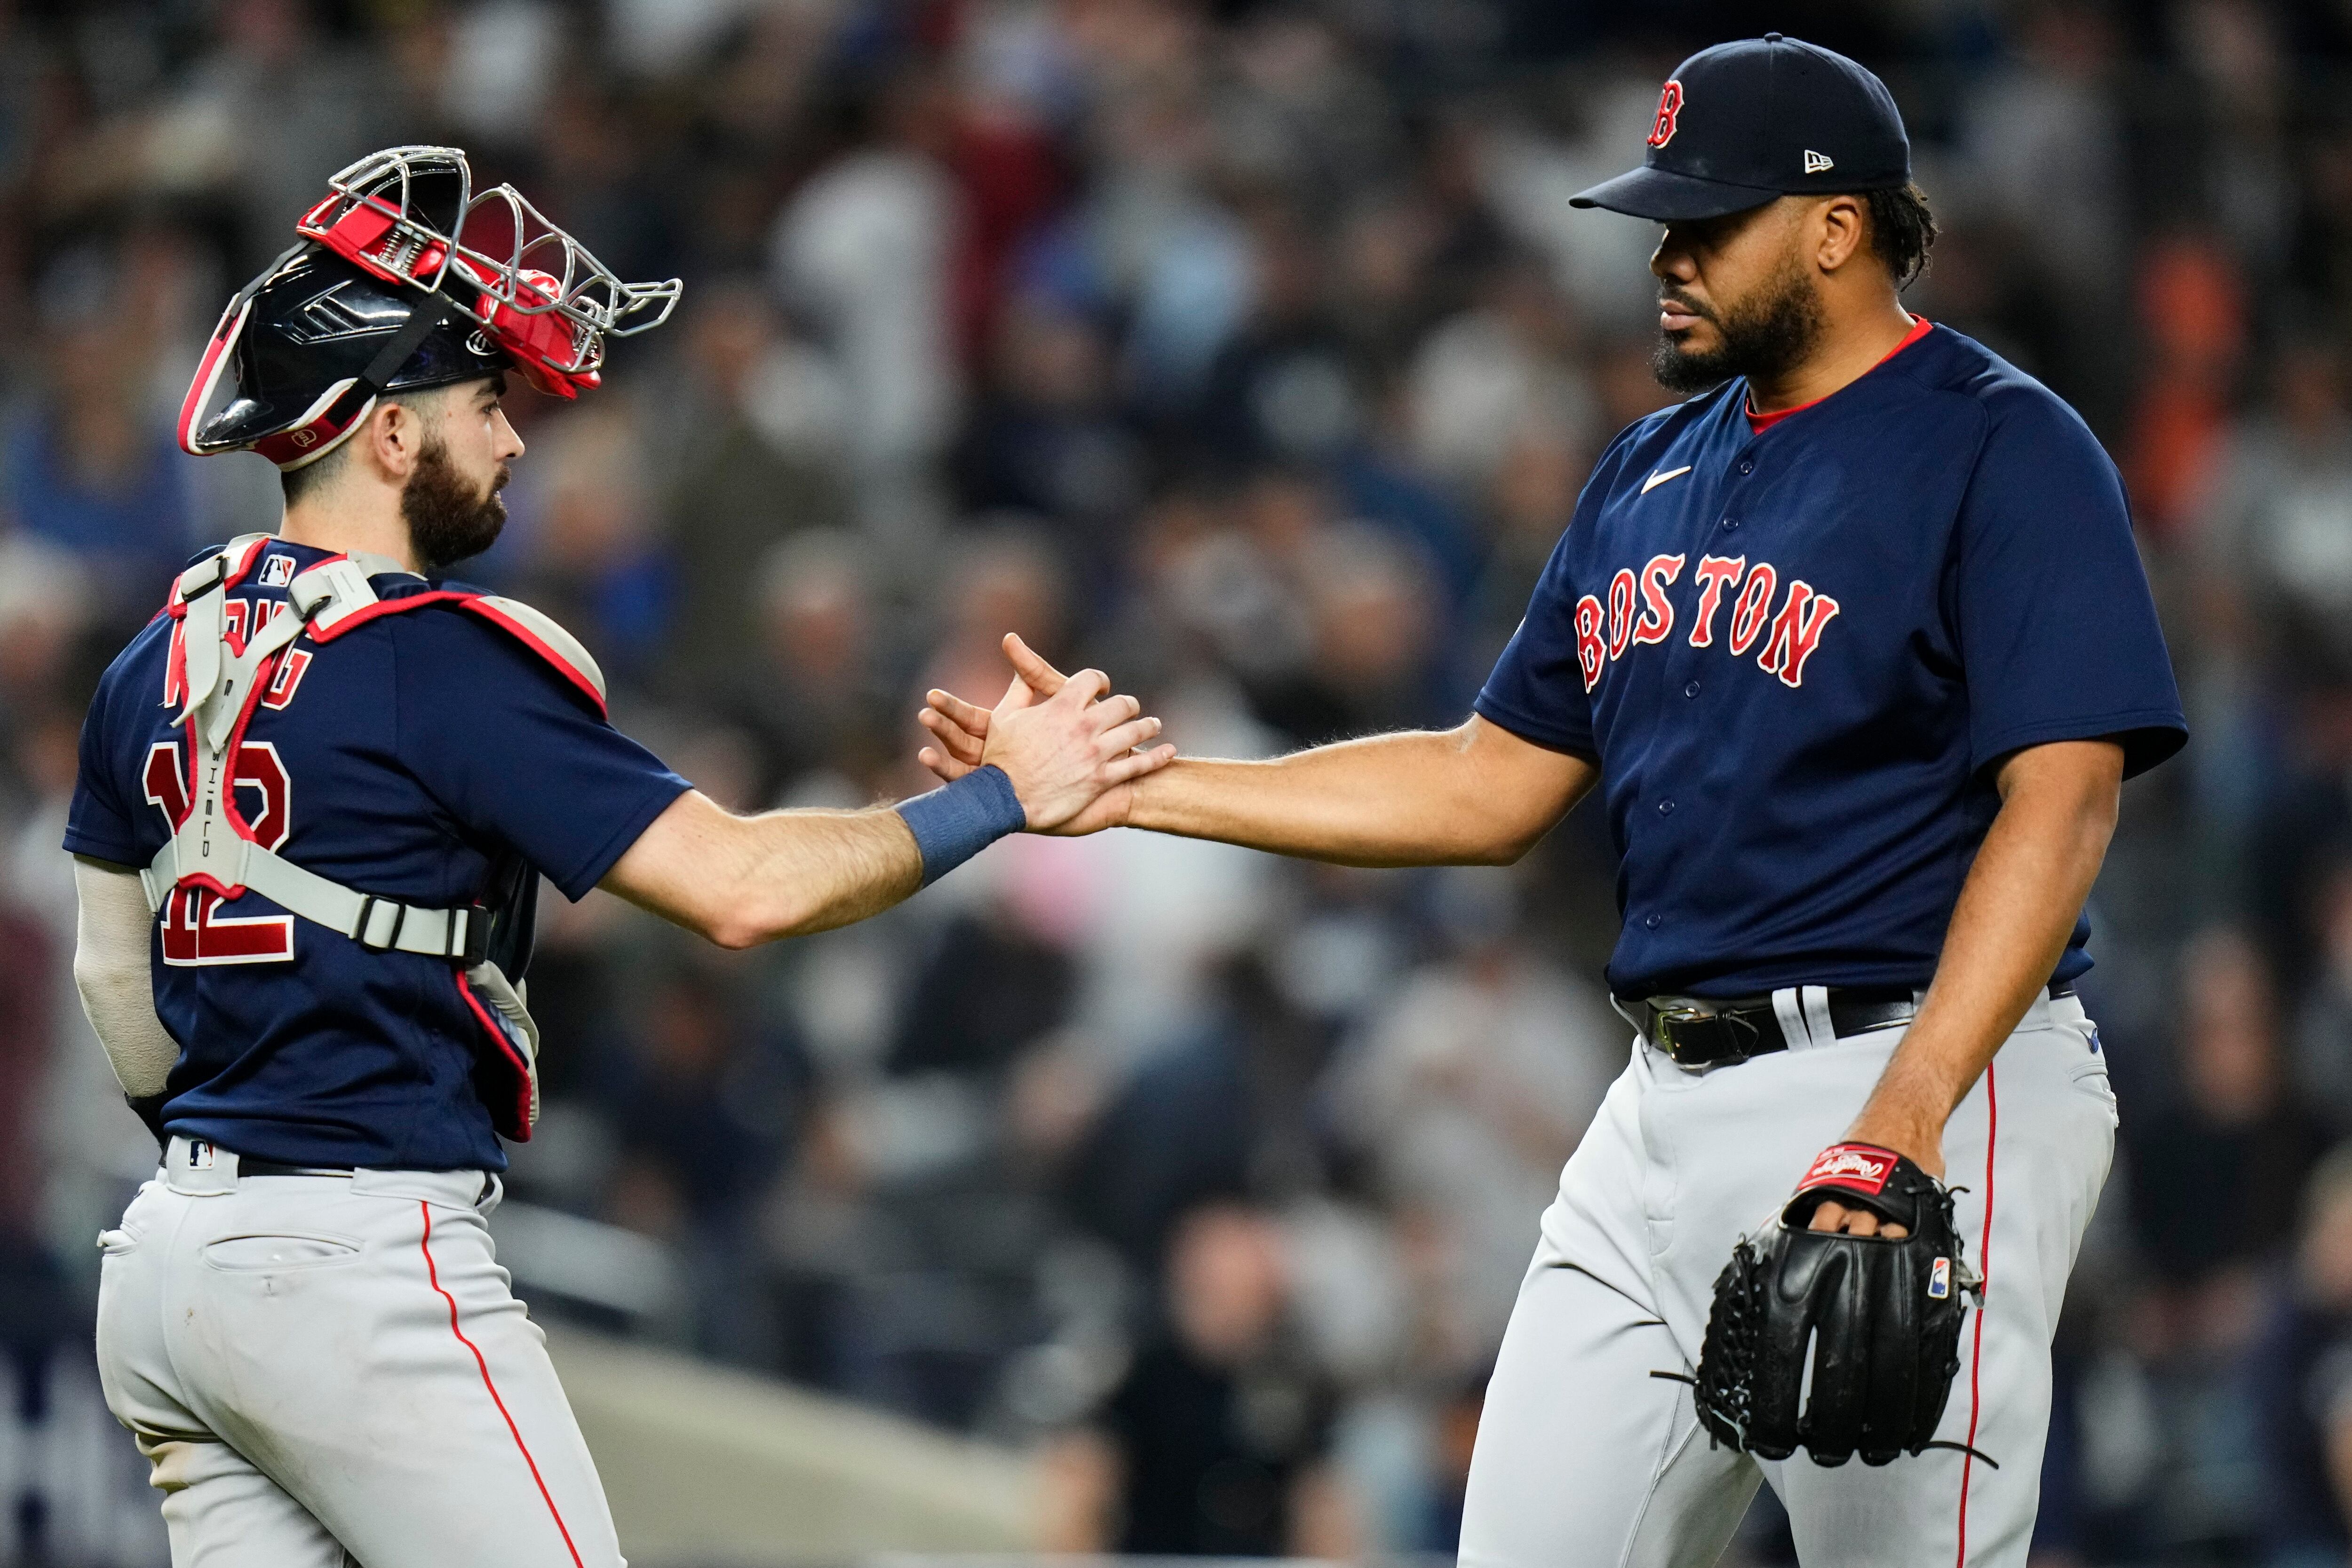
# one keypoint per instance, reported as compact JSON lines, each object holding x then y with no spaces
{"x":1747,"y":465}
{"x":1729,"y":524}
{"x":1691,"y":690}
{"x":1654,"y":921}
{"x":1665,"y":808}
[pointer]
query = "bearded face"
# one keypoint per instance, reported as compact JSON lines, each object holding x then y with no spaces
{"x":449,"y":516}
{"x":1762,"y":335}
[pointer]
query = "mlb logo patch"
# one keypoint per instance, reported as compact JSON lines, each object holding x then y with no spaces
{"x":1939,"y":1280}
{"x":200,"y":1154}
{"x":277,"y":572}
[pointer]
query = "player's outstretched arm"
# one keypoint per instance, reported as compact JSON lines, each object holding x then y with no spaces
{"x":1476,"y":795}
{"x":741,"y":881}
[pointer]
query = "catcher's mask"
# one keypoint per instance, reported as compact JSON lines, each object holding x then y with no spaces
{"x":405,"y":278}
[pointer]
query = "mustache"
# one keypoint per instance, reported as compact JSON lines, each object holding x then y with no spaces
{"x":1681,"y":301}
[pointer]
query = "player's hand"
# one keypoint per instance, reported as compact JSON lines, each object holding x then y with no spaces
{"x":961,"y":727}
{"x":1064,"y":751}
{"x":963,"y":731}
{"x":1910,"y":1133}
{"x":1855,"y":1222}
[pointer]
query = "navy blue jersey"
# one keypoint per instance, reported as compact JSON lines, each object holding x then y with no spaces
{"x":428,"y":755}
{"x":1797,"y":654}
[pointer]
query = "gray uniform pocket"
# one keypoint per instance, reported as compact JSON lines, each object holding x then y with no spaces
{"x":278,"y":1254}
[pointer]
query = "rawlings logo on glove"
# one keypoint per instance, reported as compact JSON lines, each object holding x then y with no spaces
{"x":1857,"y":1168}
{"x":1878,"y":1317}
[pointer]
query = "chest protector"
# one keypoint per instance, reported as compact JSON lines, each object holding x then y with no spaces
{"x":212,"y":848}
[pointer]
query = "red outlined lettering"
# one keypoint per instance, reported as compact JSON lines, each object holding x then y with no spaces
{"x":1621,"y":611}
{"x":1752,"y":614}
{"x":1715,"y":573}
{"x":167,"y":782}
{"x":1796,"y":631}
{"x":197,"y":935}
{"x":288,"y":676}
{"x":1591,"y":648}
{"x":260,"y":773}
{"x":194,"y":932}
{"x":175,"y":665}
{"x":1657,"y":610}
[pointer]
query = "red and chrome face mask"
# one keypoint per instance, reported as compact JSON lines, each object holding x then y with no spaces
{"x":410,"y":216}
{"x":405,"y":278}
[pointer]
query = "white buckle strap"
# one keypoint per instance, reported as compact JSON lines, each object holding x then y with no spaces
{"x":220,"y":693}
{"x":382,"y":925}
{"x":333,"y":590}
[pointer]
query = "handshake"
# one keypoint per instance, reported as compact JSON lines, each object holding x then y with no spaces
{"x":1071,"y":753}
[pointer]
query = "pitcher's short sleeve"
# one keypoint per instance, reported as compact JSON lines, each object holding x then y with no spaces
{"x":2057,"y":631}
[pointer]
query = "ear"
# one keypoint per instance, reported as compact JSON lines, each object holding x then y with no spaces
{"x":392,"y":439}
{"x":1841,"y":231}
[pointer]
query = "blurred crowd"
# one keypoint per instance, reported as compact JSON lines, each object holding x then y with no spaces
{"x":1251,"y":351}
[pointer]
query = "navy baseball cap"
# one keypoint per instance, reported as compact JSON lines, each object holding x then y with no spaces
{"x":1742,"y":123}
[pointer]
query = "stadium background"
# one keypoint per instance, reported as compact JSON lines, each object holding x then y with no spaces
{"x":1251,"y":351}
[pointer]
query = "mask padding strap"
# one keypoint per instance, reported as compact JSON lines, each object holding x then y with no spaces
{"x":377,"y":378}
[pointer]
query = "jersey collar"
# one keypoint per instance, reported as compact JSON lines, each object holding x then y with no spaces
{"x":1758,"y":424}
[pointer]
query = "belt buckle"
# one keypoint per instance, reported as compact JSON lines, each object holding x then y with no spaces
{"x":1668,"y":1021}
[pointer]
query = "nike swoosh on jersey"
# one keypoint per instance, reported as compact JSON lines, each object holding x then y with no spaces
{"x":1654,"y":480}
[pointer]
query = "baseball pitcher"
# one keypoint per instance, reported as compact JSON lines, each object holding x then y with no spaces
{"x":1856,"y":648}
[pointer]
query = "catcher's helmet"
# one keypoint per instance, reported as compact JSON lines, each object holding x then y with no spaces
{"x":405,"y":278}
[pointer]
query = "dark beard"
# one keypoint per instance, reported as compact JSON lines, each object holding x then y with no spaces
{"x":1770,"y":338}
{"x":447,"y":518}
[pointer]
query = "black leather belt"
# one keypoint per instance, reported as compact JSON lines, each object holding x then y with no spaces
{"x":246,"y":1167}
{"x":1696,"y":1033}
{"x":1699,"y":1033}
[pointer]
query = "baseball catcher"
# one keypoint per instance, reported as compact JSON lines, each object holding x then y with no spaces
{"x":317,"y":795}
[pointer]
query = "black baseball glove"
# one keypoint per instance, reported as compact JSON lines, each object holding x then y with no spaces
{"x":1880,"y":1317}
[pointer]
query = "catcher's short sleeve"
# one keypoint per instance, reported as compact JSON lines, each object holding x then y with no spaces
{"x":516,"y":752}
{"x":2057,"y":632}
{"x":99,"y":822}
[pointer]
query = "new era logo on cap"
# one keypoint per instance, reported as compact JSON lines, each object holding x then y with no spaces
{"x":1818,"y":163}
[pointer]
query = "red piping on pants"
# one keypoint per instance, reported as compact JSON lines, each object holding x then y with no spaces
{"x":425,"y":1246}
{"x":1984,"y":1269}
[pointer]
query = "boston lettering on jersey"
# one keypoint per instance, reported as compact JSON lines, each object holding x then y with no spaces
{"x":1799,"y":653}
{"x":425,"y":750}
{"x":1605,"y":633}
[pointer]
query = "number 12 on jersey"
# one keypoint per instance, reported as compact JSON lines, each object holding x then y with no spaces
{"x":194,"y":931}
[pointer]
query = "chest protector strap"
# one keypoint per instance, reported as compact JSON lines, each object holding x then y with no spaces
{"x":214,"y":848}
